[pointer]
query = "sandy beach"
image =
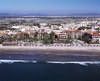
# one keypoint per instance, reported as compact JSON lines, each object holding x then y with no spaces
{"x":50,"y":53}
{"x":49,"y":48}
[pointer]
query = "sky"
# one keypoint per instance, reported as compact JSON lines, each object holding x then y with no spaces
{"x":50,"y":6}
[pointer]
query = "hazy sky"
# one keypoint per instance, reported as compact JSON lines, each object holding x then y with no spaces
{"x":61,"y":6}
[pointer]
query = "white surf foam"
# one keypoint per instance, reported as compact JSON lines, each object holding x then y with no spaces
{"x":85,"y":63}
{"x":14,"y":61}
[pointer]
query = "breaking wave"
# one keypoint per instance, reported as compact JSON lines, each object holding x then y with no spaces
{"x":84,"y":63}
{"x":15,"y":61}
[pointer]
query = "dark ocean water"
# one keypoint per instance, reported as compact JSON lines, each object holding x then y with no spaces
{"x":43,"y":71}
{"x":36,"y":66}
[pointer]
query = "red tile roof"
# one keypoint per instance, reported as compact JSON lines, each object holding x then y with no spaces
{"x":95,"y":34}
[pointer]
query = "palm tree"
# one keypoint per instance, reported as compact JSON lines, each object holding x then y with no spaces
{"x":36,"y":36}
{"x":87,"y":38}
{"x":46,"y":38}
{"x":52,"y":36}
{"x":68,"y":39}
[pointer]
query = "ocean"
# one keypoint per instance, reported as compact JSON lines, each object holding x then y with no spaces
{"x":26,"y":70}
{"x":32,"y":66}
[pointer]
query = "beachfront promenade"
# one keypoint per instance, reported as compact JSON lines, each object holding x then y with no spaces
{"x":53,"y":47}
{"x":57,"y":45}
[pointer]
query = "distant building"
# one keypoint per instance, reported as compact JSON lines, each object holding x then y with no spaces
{"x":96,"y":37}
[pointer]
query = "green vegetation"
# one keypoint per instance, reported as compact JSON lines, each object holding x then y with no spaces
{"x":35,"y":37}
{"x":69,"y":39}
{"x":52,"y":37}
{"x":48,"y":38}
{"x":87,"y":38}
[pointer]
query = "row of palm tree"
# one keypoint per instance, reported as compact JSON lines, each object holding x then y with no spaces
{"x":43,"y":37}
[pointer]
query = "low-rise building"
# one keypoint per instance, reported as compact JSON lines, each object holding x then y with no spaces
{"x":96,"y":37}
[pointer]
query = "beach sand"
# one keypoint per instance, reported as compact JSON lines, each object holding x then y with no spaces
{"x":50,"y":53}
{"x":51,"y":48}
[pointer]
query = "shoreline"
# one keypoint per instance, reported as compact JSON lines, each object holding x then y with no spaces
{"x":50,"y":53}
